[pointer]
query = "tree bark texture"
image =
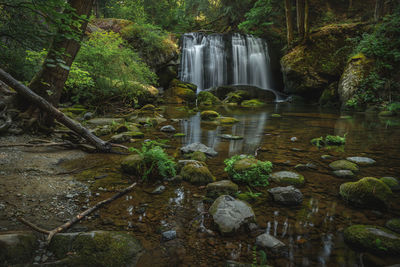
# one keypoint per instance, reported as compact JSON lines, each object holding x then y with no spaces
{"x":306,"y":19}
{"x":49,"y":82}
{"x":289,"y":21}
{"x":379,"y":4}
{"x":300,"y":17}
{"x":47,"y":107}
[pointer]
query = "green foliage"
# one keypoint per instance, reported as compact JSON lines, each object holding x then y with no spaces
{"x":383,"y":47}
{"x":255,"y":175}
{"x":155,"y":157}
{"x":106,"y":69}
{"x":248,"y":195}
{"x":263,"y":258}
{"x":330,"y":140}
{"x":379,"y":245}
{"x":394,"y":107}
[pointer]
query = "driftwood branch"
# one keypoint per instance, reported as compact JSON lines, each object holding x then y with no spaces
{"x":58,"y":115}
{"x":77,"y":218}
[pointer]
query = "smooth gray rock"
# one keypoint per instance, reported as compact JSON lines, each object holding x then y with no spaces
{"x":343,"y":165}
{"x":361,"y":160}
{"x":105,"y":121}
{"x":286,"y":195}
{"x":271,"y":243}
{"x":199,"y":147}
{"x":168,"y":129}
{"x":230,"y":214}
{"x":344,"y":173}
{"x":168,"y":235}
{"x":159,"y":190}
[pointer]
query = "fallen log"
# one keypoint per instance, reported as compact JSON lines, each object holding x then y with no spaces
{"x":43,"y":104}
{"x":77,"y":218}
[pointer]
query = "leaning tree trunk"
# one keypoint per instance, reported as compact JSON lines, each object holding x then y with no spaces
{"x":289,"y":21}
{"x":300,"y":17}
{"x":49,"y":82}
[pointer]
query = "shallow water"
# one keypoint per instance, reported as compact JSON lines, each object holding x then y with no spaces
{"x":313,"y":231}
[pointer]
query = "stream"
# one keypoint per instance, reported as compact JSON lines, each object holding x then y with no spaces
{"x":312,"y":231}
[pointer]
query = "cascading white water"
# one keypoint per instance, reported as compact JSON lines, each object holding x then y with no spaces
{"x":213,"y":60}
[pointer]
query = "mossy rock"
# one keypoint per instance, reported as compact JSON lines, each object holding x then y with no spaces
{"x":133,"y":164}
{"x":197,"y":155}
{"x":75,"y":110}
{"x":252,"y":103}
{"x":394,"y":225}
{"x":197,"y":174}
{"x":276,"y":116}
{"x":205,"y":98}
{"x":387,"y":113}
{"x":209,"y":115}
{"x":375,"y":239}
{"x":288,"y":178}
{"x":103,"y":130}
{"x":344,"y":165}
{"x":392,"y":182}
{"x":186,"y":94}
{"x":97,"y":248}
{"x":179,"y":135}
{"x":126,"y":136}
{"x":237,"y":97}
{"x":105,"y":121}
{"x":367,"y":192}
{"x":17,"y":247}
{"x":249,"y":170}
{"x":227,"y":120}
{"x":219,"y":188}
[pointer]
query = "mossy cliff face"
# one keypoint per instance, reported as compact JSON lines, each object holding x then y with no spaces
{"x":309,"y":68}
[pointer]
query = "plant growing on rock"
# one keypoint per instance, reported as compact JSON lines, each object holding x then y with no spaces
{"x":247,"y":169}
{"x":154,"y":159}
{"x":330,"y":140}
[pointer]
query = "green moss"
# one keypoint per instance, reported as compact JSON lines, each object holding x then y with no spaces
{"x":227,"y":120}
{"x":276,"y":116}
{"x":246,"y":169}
{"x":288,"y":178}
{"x":319,"y":141}
{"x":394,"y":225}
{"x":184,"y":93}
{"x":344,"y":165}
{"x":205,"y":98}
{"x":179,"y":135}
{"x":17,"y":248}
{"x":197,"y":155}
{"x":252,"y":103}
{"x":367,"y":192}
{"x":197,"y":174}
{"x":386,"y":113}
{"x":75,"y":110}
{"x":209,"y":115}
{"x":329,"y":140}
{"x":237,"y":97}
{"x":375,"y":239}
{"x":392,"y":182}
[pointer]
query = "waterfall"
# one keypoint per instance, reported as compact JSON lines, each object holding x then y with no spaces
{"x":221,"y":59}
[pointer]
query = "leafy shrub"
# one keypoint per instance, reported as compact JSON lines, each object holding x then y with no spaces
{"x":115,"y":70}
{"x":155,"y":160}
{"x":394,"y":107}
{"x":256,"y":174}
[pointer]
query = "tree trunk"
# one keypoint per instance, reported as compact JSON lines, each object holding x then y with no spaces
{"x":350,"y":4}
{"x":49,"y":82}
{"x":300,"y":17}
{"x":289,"y":21}
{"x":306,"y":20}
{"x":44,"y":105}
{"x":378,"y":10}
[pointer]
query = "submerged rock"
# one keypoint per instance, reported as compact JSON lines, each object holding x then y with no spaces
{"x":286,"y":195}
{"x":343,"y":165}
{"x":168,"y":129}
{"x":230,"y":214}
{"x":361,"y":160}
{"x":271,"y":244}
{"x":287,"y":177}
{"x":219,"y":188}
{"x":197,"y":173}
{"x":375,"y":239}
{"x":199,"y":147}
{"x":209,"y":115}
{"x":367,"y":192}
{"x":97,"y":248}
{"x":344,"y":173}
{"x":17,"y":248}
{"x":394,"y":225}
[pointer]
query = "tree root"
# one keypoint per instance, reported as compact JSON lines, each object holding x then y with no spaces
{"x":50,"y":233}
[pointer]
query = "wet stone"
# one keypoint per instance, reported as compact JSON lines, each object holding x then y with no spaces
{"x":361,"y":160}
{"x":230,"y":137}
{"x":168,"y":235}
{"x":344,"y":173}
{"x":305,"y":167}
{"x":394,"y":225}
{"x":326,"y":157}
{"x":168,"y":129}
{"x":287,"y":177}
{"x":271,"y":243}
{"x":199,"y":147}
{"x":343,"y":165}
{"x":392,"y":182}
{"x":286,"y":195}
{"x":159,"y":190}
{"x":224,"y":187}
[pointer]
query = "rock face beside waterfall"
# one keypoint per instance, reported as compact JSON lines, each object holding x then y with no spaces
{"x":213,"y":60}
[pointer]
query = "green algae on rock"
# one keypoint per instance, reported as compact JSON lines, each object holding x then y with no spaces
{"x":367,"y":192}
{"x":288,"y":178}
{"x":197,"y":173}
{"x":249,"y":170}
{"x":375,"y":239}
{"x":343,"y":165}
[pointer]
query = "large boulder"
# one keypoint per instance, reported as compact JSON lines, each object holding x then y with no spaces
{"x":287,"y":178}
{"x":97,"y":248}
{"x":181,"y":92}
{"x":17,"y":247}
{"x":242,"y":92}
{"x":199,"y":147}
{"x":355,"y":72}
{"x":367,"y":192}
{"x":375,"y":239}
{"x":286,"y":195}
{"x":230,"y":214}
{"x":311,"y":66}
